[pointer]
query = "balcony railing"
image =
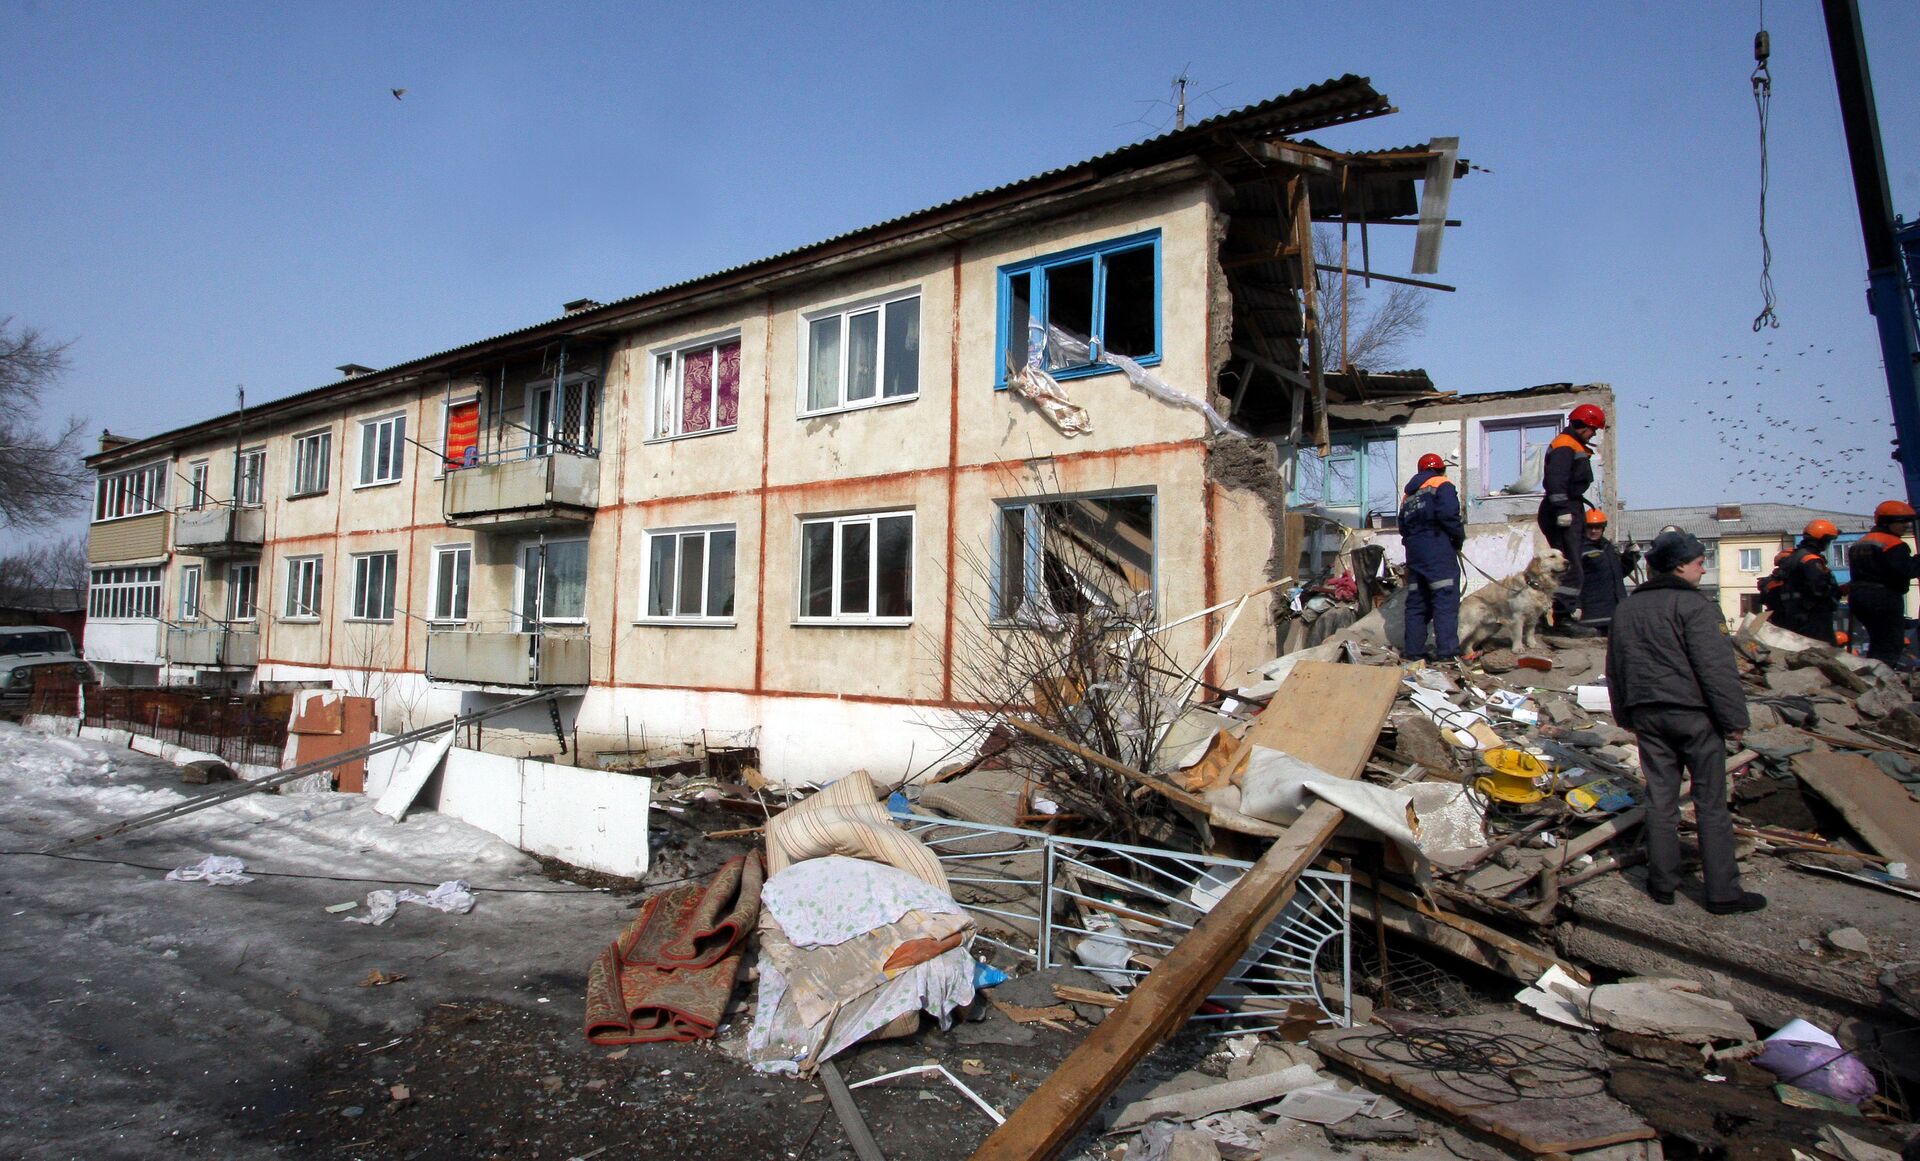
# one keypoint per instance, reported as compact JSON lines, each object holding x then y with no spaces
{"x":512,"y":660}
{"x":220,"y":531}
{"x":523,"y":489}
{"x":214,"y":646}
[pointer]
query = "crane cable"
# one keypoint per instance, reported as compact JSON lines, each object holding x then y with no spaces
{"x":1762,"y":98}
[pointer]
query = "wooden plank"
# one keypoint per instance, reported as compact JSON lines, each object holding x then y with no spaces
{"x":1872,"y":802}
{"x":859,"y":1137}
{"x":1325,"y":714}
{"x":1547,"y":1118}
{"x":1435,"y":191}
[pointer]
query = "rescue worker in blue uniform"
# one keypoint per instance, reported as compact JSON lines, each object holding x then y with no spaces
{"x":1604,"y":567}
{"x":1566,"y":474}
{"x":1883,"y":567}
{"x":1809,"y":594}
{"x":1432,"y":532}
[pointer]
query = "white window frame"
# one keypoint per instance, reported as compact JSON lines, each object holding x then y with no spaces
{"x":250,"y":478}
{"x":397,"y":421}
{"x":364,"y":603}
{"x":461,"y":597}
{"x":526,"y":617}
{"x":130,"y":492}
{"x":1749,"y":555}
{"x":544,"y":435}
{"x":305,"y":575}
{"x":838,"y":523}
{"x":251,"y":589}
{"x":197,"y":491}
{"x":702,"y":535}
{"x":446,"y":421}
{"x":312,"y":456}
{"x":667,"y":363}
{"x":189,"y":608}
{"x":1489,"y":487}
{"x":845,"y":313}
{"x":124,"y":593}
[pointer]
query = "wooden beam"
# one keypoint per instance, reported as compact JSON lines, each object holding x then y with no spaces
{"x":1329,"y":715}
{"x":1284,"y":154}
{"x":1191,"y":801}
{"x":1387,"y":277}
{"x":1435,"y":191}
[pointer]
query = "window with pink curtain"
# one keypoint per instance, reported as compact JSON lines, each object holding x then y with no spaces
{"x":697,"y":390}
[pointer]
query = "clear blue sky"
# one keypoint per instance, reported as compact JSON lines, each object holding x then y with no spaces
{"x":208,"y":195}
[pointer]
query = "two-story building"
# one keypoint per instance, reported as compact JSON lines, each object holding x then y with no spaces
{"x":766,"y":499}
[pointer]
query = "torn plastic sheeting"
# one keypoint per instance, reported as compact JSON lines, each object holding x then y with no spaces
{"x":1277,"y":787}
{"x":1052,"y":346}
{"x":453,"y":897}
{"x":214,"y":870}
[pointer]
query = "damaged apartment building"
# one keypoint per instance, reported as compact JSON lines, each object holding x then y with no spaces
{"x":780,"y":500}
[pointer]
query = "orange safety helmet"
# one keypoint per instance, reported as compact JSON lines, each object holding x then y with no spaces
{"x":1433,"y":463}
{"x":1587,"y":415}
{"x":1840,"y":637}
{"x":1893,"y":510}
{"x":1820,"y":530}
{"x":1596,"y":516}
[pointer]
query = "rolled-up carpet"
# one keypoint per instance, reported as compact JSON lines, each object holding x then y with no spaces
{"x":670,"y":973}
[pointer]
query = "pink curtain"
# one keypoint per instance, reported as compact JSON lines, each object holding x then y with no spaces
{"x":696,"y":391}
{"x":729,"y":378}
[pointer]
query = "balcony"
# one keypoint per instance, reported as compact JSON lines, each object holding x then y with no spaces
{"x":213,"y":646}
{"x":524,"y":494}
{"x":506,"y":660}
{"x":220,"y":532}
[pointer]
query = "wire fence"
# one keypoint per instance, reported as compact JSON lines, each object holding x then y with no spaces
{"x":246,"y":729}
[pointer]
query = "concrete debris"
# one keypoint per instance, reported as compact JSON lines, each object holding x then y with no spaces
{"x":1668,"y":1009}
{"x":1849,"y":940}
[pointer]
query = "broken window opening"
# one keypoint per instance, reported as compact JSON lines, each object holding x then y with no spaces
{"x":1073,"y":558}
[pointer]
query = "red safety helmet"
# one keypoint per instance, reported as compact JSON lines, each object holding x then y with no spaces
{"x":1893,"y":510}
{"x":1587,"y":415}
{"x":1821,"y":530}
{"x":1433,"y":463}
{"x":1840,"y":637}
{"x":1596,"y":516}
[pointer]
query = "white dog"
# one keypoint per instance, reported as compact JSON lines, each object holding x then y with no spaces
{"x":1516,"y":604}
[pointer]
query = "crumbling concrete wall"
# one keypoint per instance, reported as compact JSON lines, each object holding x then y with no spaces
{"x":1247,"y":494}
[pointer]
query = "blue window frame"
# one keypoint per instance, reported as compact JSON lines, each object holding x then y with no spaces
{"x":1107,"y":294}
{"x":1360,"y":472}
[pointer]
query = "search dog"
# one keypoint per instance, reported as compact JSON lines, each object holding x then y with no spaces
{"x":1516,"y":604}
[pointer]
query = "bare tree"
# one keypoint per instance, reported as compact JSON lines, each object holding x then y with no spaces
{"x":42,"y":477}
{"x":1378,"y":321}
{"x":28,"y":574}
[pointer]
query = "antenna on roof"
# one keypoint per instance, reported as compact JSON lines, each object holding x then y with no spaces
{"x":1180,"y":100}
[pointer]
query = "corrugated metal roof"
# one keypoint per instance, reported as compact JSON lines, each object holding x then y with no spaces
{"x":1332,"y":102}
{"x":1755,"y":520}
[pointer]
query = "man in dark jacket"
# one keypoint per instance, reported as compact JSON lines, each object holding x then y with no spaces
{"x":1603,"y":573}
{"x":1566,"y":474}
{"x":1882,"y":568}
{"x":1673,"y":682}
{"x":1432,"y":533}
{"x":1808,"y":593}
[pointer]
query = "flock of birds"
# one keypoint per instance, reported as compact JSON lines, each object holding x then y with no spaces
{"x":1840,"y":458}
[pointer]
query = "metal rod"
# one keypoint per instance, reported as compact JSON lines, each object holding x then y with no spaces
{"x":271,"y":781}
